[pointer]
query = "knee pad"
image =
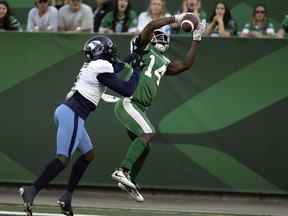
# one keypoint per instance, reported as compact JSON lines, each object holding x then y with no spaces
{"x":147,"y":138}
{"x":89,"y":156}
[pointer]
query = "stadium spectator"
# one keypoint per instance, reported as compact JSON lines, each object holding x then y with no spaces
{"x":59,"y":3}
{"x":221,"y":23}
{"x":284,"y":28}
{"x":75,"y":17}
{"x":156,"y":10}
{"x":42,"y":17}
{"x":193,"y":6}
{"x":259,"y":26}
{"x":7,"y":21}
{"x":184,"y":8}
{"x":101,"y":9}
{"x":121,"y":19}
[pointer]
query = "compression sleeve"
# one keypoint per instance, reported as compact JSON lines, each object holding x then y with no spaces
{"x":124,"y":88}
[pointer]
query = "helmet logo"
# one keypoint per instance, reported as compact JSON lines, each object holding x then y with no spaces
{"x":96,"y":47}
{"x":160,"y":40}
{"x":99,"y":47}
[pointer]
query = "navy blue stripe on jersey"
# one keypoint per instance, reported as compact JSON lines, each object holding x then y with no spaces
{"x":74,"y":134}
{"x":122,"y":87}
{"x":79,"y":104}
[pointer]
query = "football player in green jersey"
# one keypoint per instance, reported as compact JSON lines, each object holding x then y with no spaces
{"x":131,"y":112}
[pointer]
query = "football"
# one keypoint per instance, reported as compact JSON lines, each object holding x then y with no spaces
{"x":189,"y":23}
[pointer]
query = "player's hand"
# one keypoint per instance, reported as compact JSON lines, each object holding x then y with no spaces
{"x":179,"y":17}
{"x":197,"y":34}
{"x":136,"y":47}
{"x":136,"y":61}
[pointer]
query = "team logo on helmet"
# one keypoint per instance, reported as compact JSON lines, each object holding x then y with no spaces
{"x":99,"y":47}
{"x":160,"y":40}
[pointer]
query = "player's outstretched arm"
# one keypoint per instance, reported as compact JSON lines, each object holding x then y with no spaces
{"x":177,"y":67}
{"x":147,"y":33}
{"x":122,"y":87}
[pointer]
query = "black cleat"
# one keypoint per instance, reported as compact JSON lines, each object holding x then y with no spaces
{"x":64,"y":202}
{"x":27,"y":194}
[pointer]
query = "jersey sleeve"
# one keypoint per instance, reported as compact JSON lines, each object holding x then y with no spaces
{"x":14,"y":24}
{"x":61,"y":19}
{"x":101,"y":66}
{"x":133,"y":21}
{"x":246,"y":28}
{"x":30,"y":24}
{"x":270,"y":30}
{"x":143,"y":20}
{"x":232,"y":27}
{"x":87,"y":19}
{"x":53,"y":19}
{"x":107,"y":21}
{"x":285,"y":23}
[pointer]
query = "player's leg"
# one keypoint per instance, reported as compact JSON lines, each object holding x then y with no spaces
{"x":138,"y":165}
{"x":136,"y":121}
{"x":78,"y":170}
{"x":66,"y":142}
{"x":131,"y":135}
{"x":140,"y":162}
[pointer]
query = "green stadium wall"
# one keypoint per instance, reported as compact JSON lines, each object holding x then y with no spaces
{"x":222,"y":126}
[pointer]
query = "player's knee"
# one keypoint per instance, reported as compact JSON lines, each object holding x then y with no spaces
{"x":147,"y":137}
{"x":65,"y":160}
{"x":90,"y":156}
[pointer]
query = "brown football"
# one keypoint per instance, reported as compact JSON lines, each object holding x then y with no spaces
{"x":189,"y":23}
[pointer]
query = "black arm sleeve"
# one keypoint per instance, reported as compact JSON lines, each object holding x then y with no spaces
{"x":124,"y":88}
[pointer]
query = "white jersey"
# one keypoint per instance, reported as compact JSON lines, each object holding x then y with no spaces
{"x":87,"y":83}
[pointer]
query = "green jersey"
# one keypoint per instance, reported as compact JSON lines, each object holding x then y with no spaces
{"x":155,"y":66}
{"x":120,"y":25}
{"x":265,"y":30}
{"x":285,"y":24}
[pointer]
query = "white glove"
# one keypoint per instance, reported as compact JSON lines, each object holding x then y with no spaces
{"x":179,"y":17}
{"x":197,"y":34}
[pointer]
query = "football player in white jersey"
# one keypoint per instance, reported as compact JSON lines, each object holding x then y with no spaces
{"x":99,"y":72}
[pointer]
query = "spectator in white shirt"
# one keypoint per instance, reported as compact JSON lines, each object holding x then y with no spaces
{"x":42,"y":17}
{"x":76,"y":17}
{"x":156,"y":10}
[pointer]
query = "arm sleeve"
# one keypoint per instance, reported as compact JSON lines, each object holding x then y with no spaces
{"x":142,"y":21}
{"x":107,"y":21}
{"x":133,"y":22}
{"x":270,"y":30}
{"x":246,"y":28}
{"x":87,"y":21}
{"x":232,"y":27}
{"x":61,"y":22}
{"x":285,"y":23}
{"x":30,"y":25}
{"x":15,"y":25}
{"x":53,"y":22}
{"x":124,"y":88}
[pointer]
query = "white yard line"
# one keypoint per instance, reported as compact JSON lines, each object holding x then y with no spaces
{"x":40,"y":214}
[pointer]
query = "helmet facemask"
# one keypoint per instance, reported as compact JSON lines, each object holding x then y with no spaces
{"x":160,"y":41}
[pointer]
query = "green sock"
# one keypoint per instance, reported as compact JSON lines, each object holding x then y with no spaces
{"x":136,"y":148}
{"x":139,"y":163}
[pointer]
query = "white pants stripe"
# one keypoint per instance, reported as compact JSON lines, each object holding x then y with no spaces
{"x":130,"y":109}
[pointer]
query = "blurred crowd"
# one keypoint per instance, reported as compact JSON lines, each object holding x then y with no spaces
{"x":118,"y":16}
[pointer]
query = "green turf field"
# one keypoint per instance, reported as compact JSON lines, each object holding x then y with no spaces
{"x":49,"y":211}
